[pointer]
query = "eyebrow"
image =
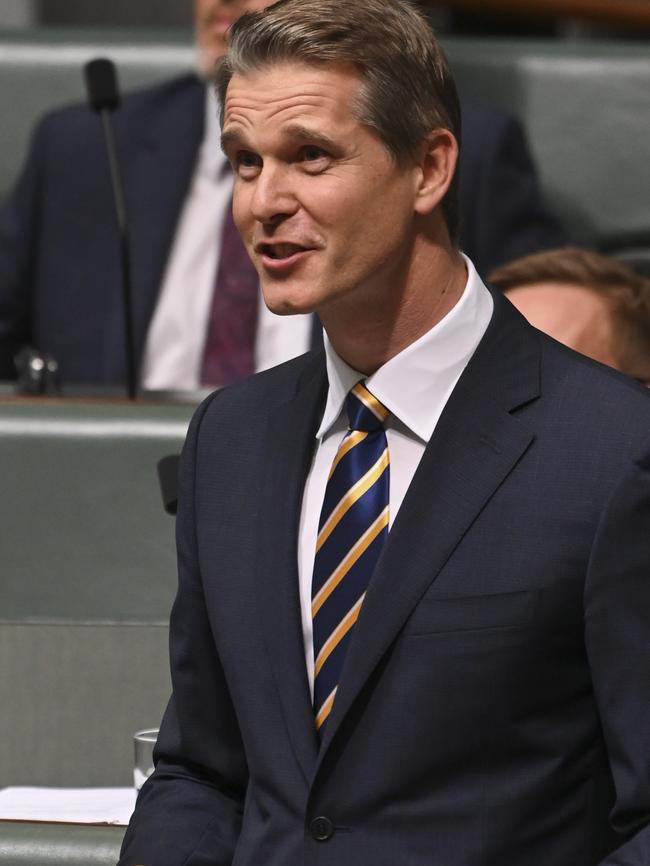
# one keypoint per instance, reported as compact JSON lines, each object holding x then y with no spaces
{"x":232,"y":137}
{"x":297,"y":130}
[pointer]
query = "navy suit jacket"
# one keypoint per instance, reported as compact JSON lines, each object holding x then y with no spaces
{"x":60,"y":287}
{"x":493,"y":708}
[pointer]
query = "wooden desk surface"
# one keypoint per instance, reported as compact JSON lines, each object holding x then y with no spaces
{"x":634,"y":12}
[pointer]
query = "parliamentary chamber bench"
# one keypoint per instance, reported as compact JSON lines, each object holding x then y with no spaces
{"x":86,"y":550}
{"x":88,"y":578}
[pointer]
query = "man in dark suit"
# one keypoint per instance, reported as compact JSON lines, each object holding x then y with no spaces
{"x":413,"y":615}
{"x":59,"y":265}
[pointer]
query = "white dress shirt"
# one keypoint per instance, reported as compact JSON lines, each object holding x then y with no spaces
{"x":415,"y":386}
{"x":176,"y":339}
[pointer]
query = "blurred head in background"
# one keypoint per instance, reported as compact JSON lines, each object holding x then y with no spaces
{"x":590,"y":302}
{"x":212,"y":18}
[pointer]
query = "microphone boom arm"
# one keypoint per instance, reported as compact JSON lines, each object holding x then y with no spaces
{"x":125,"y":250}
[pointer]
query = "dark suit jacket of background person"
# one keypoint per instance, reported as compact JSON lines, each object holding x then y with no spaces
{"x":60,"y":287}
{"x":493,"y":707}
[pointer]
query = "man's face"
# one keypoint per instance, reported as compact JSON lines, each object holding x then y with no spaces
{"x":575,"y":315}
{"x":325,"y":212}
{"x":212,"y":18}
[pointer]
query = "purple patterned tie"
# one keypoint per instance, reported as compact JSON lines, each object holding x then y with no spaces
{"x":229,"y":352}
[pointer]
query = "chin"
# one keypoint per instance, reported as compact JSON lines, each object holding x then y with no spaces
{"x":288,"y":308}
{"x":284,"y":303}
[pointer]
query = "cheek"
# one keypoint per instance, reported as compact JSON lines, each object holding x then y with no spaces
{"x":339,"y":205}
{"x":241,"y":210}
{"x":328,"y":200}
{"x":380,"y":231}
{"x":370,"y":213}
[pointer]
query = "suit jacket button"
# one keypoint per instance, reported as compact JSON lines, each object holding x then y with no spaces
{"x":321,"y":829}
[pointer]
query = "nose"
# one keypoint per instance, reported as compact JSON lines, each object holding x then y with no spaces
{"x":273,"y":199}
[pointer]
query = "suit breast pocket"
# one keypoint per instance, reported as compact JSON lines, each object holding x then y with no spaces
{"x":472,"y":613}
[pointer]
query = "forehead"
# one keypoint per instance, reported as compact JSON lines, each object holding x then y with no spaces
{"x":287,"y":91}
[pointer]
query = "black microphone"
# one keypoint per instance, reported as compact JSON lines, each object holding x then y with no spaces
{"x":104,"y":98}
{"x":101,"y":83}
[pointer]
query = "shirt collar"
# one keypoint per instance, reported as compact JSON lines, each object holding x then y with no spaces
{"x":416,"y":383}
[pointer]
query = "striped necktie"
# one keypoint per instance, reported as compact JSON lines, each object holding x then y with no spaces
{"x":352,"y":529}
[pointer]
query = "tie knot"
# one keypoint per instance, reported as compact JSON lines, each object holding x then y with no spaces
{"x":365,"y":412}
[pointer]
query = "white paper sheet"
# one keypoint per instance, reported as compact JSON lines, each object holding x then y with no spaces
{"x":69,"y":805}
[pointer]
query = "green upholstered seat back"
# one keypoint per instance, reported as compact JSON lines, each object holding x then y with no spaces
{"x":586,"y":109}
{"x":88,"y":579}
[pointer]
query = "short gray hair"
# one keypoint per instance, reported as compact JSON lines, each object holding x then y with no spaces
{"x":408,"y":88}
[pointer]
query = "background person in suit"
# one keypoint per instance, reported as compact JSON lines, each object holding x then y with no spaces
{"x":592,"y":303}
{"x":59,"y":269}
{"x":419,"y":633}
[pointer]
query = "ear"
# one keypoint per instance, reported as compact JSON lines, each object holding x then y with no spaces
{"x":437,"y":164}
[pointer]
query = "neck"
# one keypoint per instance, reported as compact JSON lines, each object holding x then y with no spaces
{"x":367,"y":338}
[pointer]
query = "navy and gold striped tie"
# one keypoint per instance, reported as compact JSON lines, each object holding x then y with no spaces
{"x":352,"y":529}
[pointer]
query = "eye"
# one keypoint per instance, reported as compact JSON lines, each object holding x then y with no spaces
{"x":314,"y":158}
{"x":246,"y":164}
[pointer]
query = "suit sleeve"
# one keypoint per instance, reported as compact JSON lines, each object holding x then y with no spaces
{"x":617,"y":632}
{"x":190,"y":810}
{"x":18,"y":255}
{"x":502,"y":208}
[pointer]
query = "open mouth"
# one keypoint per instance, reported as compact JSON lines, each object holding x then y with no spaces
{"x":280,"y":252}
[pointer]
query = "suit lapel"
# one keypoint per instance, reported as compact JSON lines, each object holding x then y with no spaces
{"x":289,"y":443}
{"x":476,"y":444}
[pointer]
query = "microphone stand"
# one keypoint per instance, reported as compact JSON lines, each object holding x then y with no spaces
{"x":102,"y":88}
{"x":125,"y":250}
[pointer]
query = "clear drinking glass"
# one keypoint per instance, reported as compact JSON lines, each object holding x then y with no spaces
{"x":144,"y":741}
